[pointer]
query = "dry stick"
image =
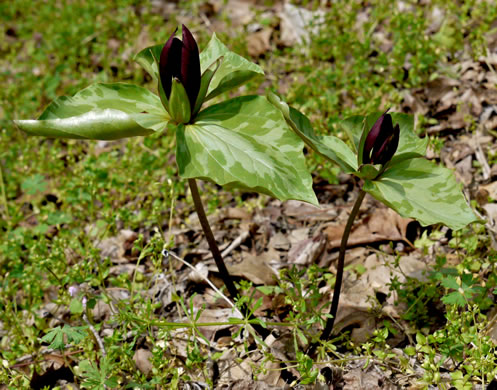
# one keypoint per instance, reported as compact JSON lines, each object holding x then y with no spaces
{"x":167,"y":253}
{"x":341,"y":263}
{"x":4,"y":197}
{"x":216,"y":253}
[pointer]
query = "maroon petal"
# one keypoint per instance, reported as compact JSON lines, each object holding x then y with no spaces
{"x":190,"y":66}
{"x":386,"y":151}
{"x":373,"y":136}
{"x":170,"y":63}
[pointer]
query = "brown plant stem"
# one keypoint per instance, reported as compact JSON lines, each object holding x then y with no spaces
{"x":341,"y":263}
{"x":216,"y":254}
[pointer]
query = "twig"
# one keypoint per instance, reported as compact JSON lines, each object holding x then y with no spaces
{"x":235,"y":244}
{"x":95,"y":334}
{"x":480,"y":156}
{"x":4,"y":197}
{"x":46,"y":351}
{"x":167,"y":253}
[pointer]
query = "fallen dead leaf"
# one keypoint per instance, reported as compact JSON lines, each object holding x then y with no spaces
{"x":239,"y":12}
{"x":258,"y":43}
{"x":255,"y":268}
{"x":369,"y":378}
{"x":491,"y":189}
{"x":307,"y":251}
{"x":355,"y":300}
{"x":305,"y":212}
{"x":142,"y":358}
{"x":383,"y":224}
{"x":279,"y":241}
{"x":115,"y":247}
{"x":298,"y":23}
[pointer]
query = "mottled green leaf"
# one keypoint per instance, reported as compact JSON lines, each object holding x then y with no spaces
{"x":101,"y":111}
{"x":330,"y":147}
{"x":148,"y":57}
{"x":245,"y":143}
{"x":233,"y":71}
{"x":420,"y":189}
{"x":410,"y":145}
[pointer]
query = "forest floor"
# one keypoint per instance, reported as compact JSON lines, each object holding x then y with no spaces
{"x":106,"y":279}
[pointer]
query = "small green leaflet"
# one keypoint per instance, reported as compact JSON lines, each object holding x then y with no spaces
{"x":58,"y":337}
{"x":76,"y":306}
{"x":101,"y":111}
{"x":34,"y":184}
{"x":58,"y":218}
{"x":464,"y":291}
{"x":97,"y":378}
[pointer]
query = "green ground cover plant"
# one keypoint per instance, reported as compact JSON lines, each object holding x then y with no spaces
{"x":61,"y":197}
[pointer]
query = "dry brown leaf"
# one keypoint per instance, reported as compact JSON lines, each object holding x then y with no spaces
{"x":200,"y":274}
{"x":279,"y":241}
{"x":255,"y":268}
{"x":383,"y":224}
{"x":129,"y":269}
{"x":306,"y":212}
{"x":491,"y":189}
{"x":491,"y":211}
{"x":235,"y":213}
{"x":369,"y":379}
{"x":142,"y":360}
{"x":239,"y":12}
{"x":115,"y":247}
{"x":307,"y":251}
{"x":258,"y":43}
{"x":355,"y":300}
{"x":297,"y":24}
{"x":464,"y":170}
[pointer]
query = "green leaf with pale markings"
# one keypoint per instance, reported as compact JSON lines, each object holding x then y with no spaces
{"x":245,"y":143}
{"x":420,"y":189}
{"x":101,"y":111}
{"x":330,"y":147}
{"x":147,"y":59}
{"x":233,"y":71}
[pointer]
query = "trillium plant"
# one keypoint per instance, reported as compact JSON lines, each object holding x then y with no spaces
{"x":255,"y":143}
{"x":390,"y":161}
{"x":242,"y":142}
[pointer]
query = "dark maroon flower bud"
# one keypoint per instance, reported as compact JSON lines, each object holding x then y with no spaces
{"x":382,"y":141}
{"x":180,"y":60}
